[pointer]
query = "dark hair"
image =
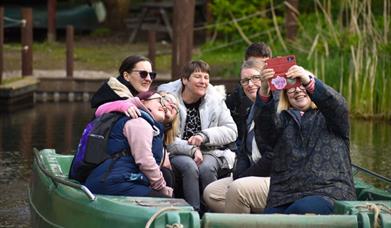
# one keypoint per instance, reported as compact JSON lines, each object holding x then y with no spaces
{"x":258,"y":50}
{"x":195,"y":66}
{"x":145,"y":95}
{"x":129,"y":62}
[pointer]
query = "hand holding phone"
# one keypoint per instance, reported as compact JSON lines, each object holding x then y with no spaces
{"x":280,"y":65}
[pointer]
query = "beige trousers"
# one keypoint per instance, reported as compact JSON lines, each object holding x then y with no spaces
{"x":244,"y":195}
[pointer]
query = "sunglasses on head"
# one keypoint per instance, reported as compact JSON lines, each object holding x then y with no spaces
{"x":144,"y":74}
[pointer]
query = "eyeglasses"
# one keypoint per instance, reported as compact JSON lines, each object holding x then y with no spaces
{"x":171,"y":103}
{"x":293,"y":89}
{"x":161,"y":100}
{"x":144,"y":74}
{"x":253,"y":78}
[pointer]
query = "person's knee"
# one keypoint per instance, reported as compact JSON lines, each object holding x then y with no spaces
{"x":214,"y":195}
{"x":207,"y":171}
{"x":208,"y":195}
{"x":186,"y":167}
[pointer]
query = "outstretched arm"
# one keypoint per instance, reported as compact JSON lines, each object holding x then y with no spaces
{"x":130,"y":107}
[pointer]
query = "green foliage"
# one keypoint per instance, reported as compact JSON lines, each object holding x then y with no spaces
{"x":251,"y":13}
{"x":345,"y":43}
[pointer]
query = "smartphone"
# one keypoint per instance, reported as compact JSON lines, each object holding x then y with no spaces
{"x":280,"y":65}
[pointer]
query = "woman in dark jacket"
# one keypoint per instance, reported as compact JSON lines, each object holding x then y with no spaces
{"x":309,"y":133}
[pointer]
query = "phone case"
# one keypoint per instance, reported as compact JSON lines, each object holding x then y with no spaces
{"x":281,"y":65}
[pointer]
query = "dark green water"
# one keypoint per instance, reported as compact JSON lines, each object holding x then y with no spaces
{"x":59,"y":126}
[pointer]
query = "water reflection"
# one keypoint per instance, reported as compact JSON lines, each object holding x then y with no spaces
{"x":371,"y":146}
{"x":59,"y":126}
{"x":51,"y":125}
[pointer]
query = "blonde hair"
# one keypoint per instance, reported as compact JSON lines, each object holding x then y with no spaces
{"x":171,"y":132}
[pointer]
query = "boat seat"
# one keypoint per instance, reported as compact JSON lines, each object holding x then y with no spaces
{"x":360,"y":185}
{"x":277,"y":220}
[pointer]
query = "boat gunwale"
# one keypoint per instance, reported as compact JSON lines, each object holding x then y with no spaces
{"x":55,"y":179}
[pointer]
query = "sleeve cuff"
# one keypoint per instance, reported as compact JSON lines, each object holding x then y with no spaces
{"x":310,"y":87}
{"x":265,"y":99}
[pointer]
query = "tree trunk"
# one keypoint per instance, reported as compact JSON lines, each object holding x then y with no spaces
{"x":117,"y":12}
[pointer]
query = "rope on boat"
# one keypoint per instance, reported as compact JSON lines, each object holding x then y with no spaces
{"x":160,"y":211}
{"x":376,"y":212}
{"x":376,"y":208}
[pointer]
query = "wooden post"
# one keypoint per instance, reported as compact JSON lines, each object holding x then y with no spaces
{"x":152,"y":47}
{"x":27,"y":41}
{"x":69,"y":51}
{"x":183,"y":35}
{"x":209,"y":18}
{"x":291,"y":14}
{"x":52,"y":4}
{"x":1,"y":43}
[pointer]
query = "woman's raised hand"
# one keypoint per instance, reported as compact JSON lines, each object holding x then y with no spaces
{"x":296,"y":71}
{"x":266,"y":74}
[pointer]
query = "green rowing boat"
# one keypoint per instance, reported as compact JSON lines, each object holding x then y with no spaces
{"x":57,"y":201}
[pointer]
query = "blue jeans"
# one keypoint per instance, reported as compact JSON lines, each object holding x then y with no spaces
{"x":309,"y":204}
{"x":194,"y":179}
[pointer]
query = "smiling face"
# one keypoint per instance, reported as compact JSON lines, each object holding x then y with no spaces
{"x":251,"y":86}
{"x":134,"y":78}
{"x":298,"y":98}
{"x":155,"y":106}
{"x":171,"y":104}
{"x":195,"y":86}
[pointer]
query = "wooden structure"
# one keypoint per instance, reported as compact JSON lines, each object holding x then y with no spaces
{"x":183,"y":39}
{"x":27,"y":41}
{"x":51,"y":4}
{"x":145,"y":23}
{"x":1,"y":43}
{"x":152,"y":47}
{"x":69,"y":51}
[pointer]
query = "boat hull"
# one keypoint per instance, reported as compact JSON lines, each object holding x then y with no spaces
{"x":57,"y":205}
{"x":55,"y":201}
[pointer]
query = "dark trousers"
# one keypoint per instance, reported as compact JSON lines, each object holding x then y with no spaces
{"x":309,"y":204}
{"x":169,"y":177}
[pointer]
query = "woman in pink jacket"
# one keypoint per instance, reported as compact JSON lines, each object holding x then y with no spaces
{"x":136,"y":172}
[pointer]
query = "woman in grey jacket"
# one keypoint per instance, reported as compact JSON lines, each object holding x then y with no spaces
{"x":309,"y":134}
{"x":200,"y":151}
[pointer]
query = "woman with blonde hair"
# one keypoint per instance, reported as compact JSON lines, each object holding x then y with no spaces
{"x":309,"y":134}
